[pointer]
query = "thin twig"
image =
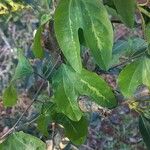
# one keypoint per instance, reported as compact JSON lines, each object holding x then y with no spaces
{"x":128,"y":60}
{"x":33,"y":100}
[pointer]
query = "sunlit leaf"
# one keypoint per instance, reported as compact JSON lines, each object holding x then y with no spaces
{"x":22,"y":141}
{"x":92,"y":18}
{"x":133,"y":75}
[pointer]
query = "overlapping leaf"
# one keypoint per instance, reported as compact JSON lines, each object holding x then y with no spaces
{"x":126,"y":9}
{"x":45,"y":117}
{"x":90,"y":84}
{"x":133,"y":75}
{"x":76,"y":131}
{"x":22,"y":141}
{"x":92,"y":18}
{"x":65,"y":97}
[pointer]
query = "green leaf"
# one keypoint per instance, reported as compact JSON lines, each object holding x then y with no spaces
{"x":144,"y":126}
{"x":65,"y":95}
{"x":46,"y":117}
{"x":92,"y":18}
{"x":95,"y":87}
{"x":128,"y":48}
{"x":90,"y":84}
{"x":76,"y":131}
{"x":133,"y":75}
{"x":37,"y":48}
{"x":22,"y":141}
{"x":67,"y":104}
{"x":126,"y":9}
{"x":10,"y":96}
{"x":23,"y":68}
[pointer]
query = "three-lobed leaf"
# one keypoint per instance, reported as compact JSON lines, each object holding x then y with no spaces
{"x":91,"y":17}
{"x":22,"y":141}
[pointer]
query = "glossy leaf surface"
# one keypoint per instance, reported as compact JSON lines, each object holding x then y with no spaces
{"x":92,"y":18}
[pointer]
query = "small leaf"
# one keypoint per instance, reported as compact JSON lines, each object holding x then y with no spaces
{"x":126,"y":9}
{"x":144,"y":126}
{"x":10,"y":96}
{"x":22,"y":141}
{"x":43,"y":121}
{"x":37,"y":48}
{"x":90,"y":84}
{"x":76,"y":131}
{"x":23,"y":68}
{"x":133,"y":75}
{"x":45,"y":118}
{"x":91,"y":17}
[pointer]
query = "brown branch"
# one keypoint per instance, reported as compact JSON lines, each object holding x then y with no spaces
{"x":33,"y":100}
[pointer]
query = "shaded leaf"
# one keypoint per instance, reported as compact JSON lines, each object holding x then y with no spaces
{"x":144,"y":126}
{"x":23,"y":68}
{"x":10,"y":96}
{"x":76,"y":131}
{"x":128,"y":48}
{"x":126,"y":9}
{"x":92,"y":18}
{"x":37,"y":48}
{"x":46,"y":117}
{"x":133,"y":75}
{"x":22,"y":141}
